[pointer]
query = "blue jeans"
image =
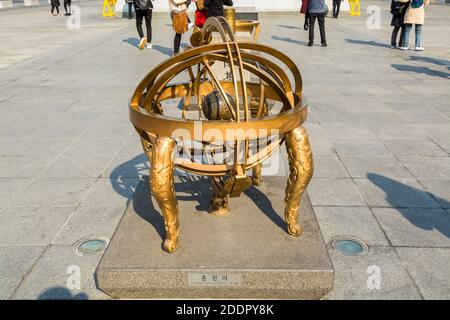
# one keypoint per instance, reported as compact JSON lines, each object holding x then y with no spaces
{"x":408,"y":28}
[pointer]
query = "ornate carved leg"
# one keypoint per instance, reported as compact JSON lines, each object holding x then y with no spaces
{"x":301,"y":170}
{"x":163,"y":189}
{"x":219,"y":201}
{"x":257,"y":175}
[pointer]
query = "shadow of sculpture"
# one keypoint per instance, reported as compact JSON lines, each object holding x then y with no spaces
{"x":61,"y":293}
{"x":123,"y":177}
{"x":265,"y":206}
{"x":188,"y":188}
{"x":424,"y":218}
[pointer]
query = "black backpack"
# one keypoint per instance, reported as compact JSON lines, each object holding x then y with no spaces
{"x":397,"y":8}
{"x":143,"y":4}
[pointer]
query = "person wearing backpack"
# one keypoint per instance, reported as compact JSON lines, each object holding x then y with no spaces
{"x":415,"y":15}
{"x":215,"y":7}
{"x":143,"y":10}
{"x":398,"y":11}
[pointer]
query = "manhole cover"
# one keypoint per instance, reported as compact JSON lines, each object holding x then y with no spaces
{"x":89,"y":246}
{"x":349,"y":246}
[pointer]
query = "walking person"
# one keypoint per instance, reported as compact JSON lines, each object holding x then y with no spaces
{"x":144,"y":10}
{"x":67,"y":7}
{"x":336,"y":8}
{"x":317,"y":10}
{"x":180,"y":21}
{"x":304,"y":10}
{"x":55,"y":5}
{"x":398,"y":11}
{"x":130,"y":9}
{"x":415,"y":15}
{"x":215,"y":7}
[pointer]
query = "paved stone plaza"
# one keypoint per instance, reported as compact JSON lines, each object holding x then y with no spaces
{"x":379,"y":126}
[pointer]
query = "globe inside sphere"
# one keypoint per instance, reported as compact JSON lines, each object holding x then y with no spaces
{"x":215,"y":108}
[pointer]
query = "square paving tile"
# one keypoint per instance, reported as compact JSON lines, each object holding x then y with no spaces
{"x":31,"y":226}
{"x":414,"y":147}
{"x":428,"y":167}
{"x":429,"y":269}
{"x":350,"y":221}
{"x":334,"y":192}
{"x":362,"y":166}
{"x":328,"y":167}
{"x":54,"y":192}
{"x":14,"y":264}
{"x":440,"y":189}
{"x":415,"y":227}
{"x":380,"y":191}
{"x":366,"y":147}
{"x":357,"y":277}
{"x":96,"y":221}
{"x":52,"y":273}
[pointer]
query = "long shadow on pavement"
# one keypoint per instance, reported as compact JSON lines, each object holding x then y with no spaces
{"x":289,"y":40}
{"x":422,"y":70}
{"x":368,"y":43}
{"x":421,"y":218}
{"x":439,"y":62}
{"x":289,"y":27}
{"x":135,"y":43}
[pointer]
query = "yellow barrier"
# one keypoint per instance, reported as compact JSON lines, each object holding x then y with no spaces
{"x":355,"y":8}
{"x":108,"y":8}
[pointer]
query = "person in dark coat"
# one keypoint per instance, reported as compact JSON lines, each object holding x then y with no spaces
{"x":336,"y":8}
{"x":317,"y":10}
{"x":304,"y":10}
{"x":215,"y":7}
{"x":130,"y":8}
{"x":55,"y":5}
{"x":398,"y":11}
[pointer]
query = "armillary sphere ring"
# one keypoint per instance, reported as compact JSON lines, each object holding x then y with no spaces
{"x":236,"y":105}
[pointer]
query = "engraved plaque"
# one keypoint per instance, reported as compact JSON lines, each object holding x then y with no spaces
{"x":219,"y":279}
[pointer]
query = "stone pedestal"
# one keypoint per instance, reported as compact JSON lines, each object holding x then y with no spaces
{"x":28,"y":3}
{"x":6,"y":4}
{"x":247,"y":254}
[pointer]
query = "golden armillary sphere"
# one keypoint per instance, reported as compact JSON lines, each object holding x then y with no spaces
{"x":220,"y":109}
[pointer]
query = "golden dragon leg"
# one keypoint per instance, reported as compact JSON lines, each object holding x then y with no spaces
{"x":257,"y":175}
{"x":301,"y":169}
{"x":162,"y":188}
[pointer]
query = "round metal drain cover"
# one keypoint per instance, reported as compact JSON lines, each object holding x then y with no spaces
{"x":90,"y":246}
{"x":349,"y":246}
